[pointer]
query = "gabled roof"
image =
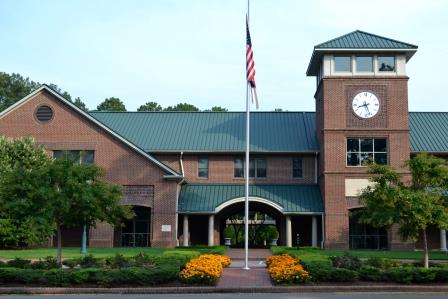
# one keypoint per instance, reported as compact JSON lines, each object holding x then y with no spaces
{"x":429,"y":132}
{"x":170,"y":173}
{"x":214,"y":131}
{"x":358,"y":41}
{"x":205,"y":198}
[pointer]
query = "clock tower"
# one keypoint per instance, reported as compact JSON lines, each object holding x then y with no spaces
{"x":361,"y":116}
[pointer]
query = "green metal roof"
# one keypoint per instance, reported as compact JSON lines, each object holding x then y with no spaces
{"x":205,"y":198}
{"x":356,"y":41}
{"x":429,"y":132}
{"x":363,"y":40}
{"x":214,"y":131}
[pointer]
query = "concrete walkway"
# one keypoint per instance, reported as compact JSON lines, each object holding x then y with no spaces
{"x":235,"y":277}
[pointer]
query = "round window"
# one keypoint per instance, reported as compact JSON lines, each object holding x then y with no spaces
{"x":44,"y":113}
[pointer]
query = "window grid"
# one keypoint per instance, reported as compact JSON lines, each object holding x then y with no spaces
{"x":203,"y":167}
{"x":362,"y":156}
{"x":297,"y":171}
{"x":257,"y":168}
{"x":84,"y":156}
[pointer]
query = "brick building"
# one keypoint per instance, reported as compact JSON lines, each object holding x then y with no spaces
{"x":183,"y":172}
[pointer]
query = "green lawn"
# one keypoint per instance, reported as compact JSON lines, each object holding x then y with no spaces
{"x":72,"y":252}
{"x":318,"y":254}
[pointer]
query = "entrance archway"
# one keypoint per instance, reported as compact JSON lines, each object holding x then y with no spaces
{"x":136,"y":231}
{"x":262,"y":213}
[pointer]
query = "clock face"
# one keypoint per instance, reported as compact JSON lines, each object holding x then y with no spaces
{"x":365,"y":104}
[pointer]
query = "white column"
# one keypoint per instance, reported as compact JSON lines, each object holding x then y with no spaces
{"x":211,"y":230}
{"x":443,"y":240}
{"x":186,"y":231}
{"x":288,"y":232}
{"x":314,"y":231}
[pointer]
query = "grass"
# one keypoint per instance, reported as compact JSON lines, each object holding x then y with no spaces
{"x":74,"y":252}
{"x":314,"y":254}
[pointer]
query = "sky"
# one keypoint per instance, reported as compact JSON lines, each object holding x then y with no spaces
{"x":172,"y":51}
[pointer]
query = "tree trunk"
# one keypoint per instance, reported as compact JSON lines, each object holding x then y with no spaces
{"x":59,"y":250}
{"x":425,"y":248}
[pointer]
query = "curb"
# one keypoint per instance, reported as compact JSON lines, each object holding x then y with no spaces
{"x":207,"y":290}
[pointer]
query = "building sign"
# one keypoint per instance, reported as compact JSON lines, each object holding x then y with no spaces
{"x":166,"y":228}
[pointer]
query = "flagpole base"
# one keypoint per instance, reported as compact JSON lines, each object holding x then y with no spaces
{"x":246,"y":268}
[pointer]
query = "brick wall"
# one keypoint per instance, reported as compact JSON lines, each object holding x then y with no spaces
{"x":336,"y":122}
{"x":221,"y":168}
{"x":70,"y":130}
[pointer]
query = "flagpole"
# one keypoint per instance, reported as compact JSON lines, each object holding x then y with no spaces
{"x":246,"y":203}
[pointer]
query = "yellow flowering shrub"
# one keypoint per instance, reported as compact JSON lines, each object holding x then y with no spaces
{"x":286,"y":269}
{"x":206,"y":269}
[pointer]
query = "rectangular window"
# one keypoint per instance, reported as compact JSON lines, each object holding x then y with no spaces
{"x":386,"y":63}
{"x":238,"y":168}
{"x":361,"y":151}
{"x":83,"y":157}
{"x":342,"y":63}
{"x":257,"y":168}
{"x":364,"y":63}
{"x":203,"y":167}
{"x":297,"y":168}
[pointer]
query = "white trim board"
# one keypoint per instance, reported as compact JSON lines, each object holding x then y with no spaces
{"x":172,"y":173}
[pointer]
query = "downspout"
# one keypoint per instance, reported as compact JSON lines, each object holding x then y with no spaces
{"x":315,"y":168}
{"x":177,"y":196}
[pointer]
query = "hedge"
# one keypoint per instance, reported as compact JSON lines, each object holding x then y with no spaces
{"x":104,"y":277}
{"x":326,"y":272}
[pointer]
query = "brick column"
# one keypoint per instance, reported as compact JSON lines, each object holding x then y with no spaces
{"x":102,"y":235}
{"x":164,"y":215}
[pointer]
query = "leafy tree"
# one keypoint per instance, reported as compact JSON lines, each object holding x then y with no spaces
{"x":80,"y":104}
{"x":217,"y":109}
{"x":182,"y":107}
{"x":150,"y":106}
{"x":414,"y":205}
{"x":20,"y":156}
{"x":61,"y":193}
{"x":13,"y":88}
{"x":111,"y":104}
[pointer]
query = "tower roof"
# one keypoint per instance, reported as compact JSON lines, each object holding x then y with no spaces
{"x":358,"y":41}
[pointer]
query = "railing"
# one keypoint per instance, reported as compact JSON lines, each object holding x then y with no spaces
{"x":135,"y":239}
{"x":368,"y":241}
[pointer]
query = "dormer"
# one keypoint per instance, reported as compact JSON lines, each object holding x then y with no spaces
{"x":360,"y":54}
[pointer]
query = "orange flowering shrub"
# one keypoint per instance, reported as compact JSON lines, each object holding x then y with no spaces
{"x":206,"y":269}
{"x":286,"y":269}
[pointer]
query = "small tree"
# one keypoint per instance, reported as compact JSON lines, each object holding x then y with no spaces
{"x":111,"y":104}
{"x":17,"y":229}
{"x":413,"y":206}
{"x":64,"y":193}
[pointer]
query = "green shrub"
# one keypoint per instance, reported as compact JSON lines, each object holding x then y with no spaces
{"x":370,"y":273}
{"x":343,"y":275}
{"x":441,"y":274}
{"x":48,"y":263}
{"x":272,"y":232}
{"x":19,"y":263}
{"x":319,"y":270}
{"x":118,"y":261}
{"x":181,"y":256}
{"x":423,"y":275}
{"x":2,"y":264}
{"x":143,"y":260}
{"x":89,"y":261}
{"x":400,"y":275}
{"x":381,"y":263}
{"x":346,"y":261}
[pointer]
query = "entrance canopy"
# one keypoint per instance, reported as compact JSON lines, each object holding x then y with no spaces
{"x":211,"y":198}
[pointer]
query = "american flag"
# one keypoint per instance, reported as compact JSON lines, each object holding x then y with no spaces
{"x":250,"y":65}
